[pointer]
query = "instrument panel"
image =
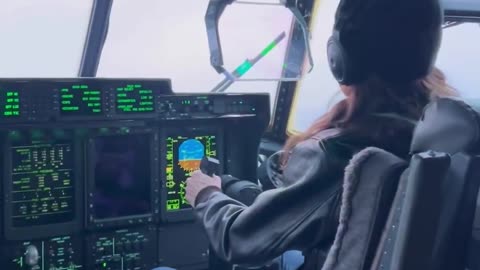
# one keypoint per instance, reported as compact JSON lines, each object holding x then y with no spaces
{"x":56,"y":99}
{"x":184,"y":149}
{"x":94,"y":169}
{"x":52,"y":100}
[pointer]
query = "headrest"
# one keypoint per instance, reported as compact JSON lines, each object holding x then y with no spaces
{"x":448,"y":125}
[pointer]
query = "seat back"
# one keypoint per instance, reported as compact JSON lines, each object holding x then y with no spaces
{"x":370,"y":183}
{"x":409,"y":236}
{"x":453,"y":126}
{"x":431,"y":218}
{"x":458,"y":208}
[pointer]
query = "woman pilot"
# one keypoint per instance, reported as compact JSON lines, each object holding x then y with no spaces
{"x":382,"y":53}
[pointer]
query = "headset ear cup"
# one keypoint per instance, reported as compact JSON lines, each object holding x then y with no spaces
{"x":346,"y":69}
{"x":337,"y":60}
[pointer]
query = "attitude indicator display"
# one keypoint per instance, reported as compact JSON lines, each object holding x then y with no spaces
{"x":134,"y":98}
{"x":184,"y":155}
{"x":42,"y":184}
{"x":80,"y":100}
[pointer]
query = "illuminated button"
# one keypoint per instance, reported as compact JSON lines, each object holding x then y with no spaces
{"x":103,"y":130}
{"x":124,"y":130}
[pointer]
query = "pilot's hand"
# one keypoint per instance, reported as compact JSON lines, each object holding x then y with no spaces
{"x":199,"y":181}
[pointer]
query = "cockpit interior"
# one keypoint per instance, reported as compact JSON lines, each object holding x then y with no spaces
{"x":108,"y":106}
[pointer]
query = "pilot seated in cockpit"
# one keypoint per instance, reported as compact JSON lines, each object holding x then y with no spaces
{"x":382,"y":53}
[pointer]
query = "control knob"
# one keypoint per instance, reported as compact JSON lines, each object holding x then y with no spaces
{"x":31,"y":255}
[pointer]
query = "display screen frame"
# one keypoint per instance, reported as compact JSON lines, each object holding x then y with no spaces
{"x":194,"y":129}
{"x":45,"y":230}
{"x":152,"y":217}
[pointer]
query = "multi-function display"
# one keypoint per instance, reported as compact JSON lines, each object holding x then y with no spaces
{"x":183,"y":155}
{"x":134,"y":98}
{"x":42,"y":178}
{"x":80,"y":100}
{"x":122,"y":175}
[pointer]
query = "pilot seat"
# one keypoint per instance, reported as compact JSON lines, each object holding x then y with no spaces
{"x":419,"y":217}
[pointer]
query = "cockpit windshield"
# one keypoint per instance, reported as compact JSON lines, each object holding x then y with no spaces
{"x":290,"y":66}
{"x":43,"y":38}
{"x":169,"y":39}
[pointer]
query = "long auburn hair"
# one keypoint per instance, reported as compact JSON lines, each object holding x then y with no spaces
{"x":376,"y":96}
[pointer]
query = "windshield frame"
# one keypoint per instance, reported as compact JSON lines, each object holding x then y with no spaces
{"x":98,"y":34}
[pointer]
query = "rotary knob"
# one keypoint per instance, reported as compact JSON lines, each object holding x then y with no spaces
{"x":31,"y":255}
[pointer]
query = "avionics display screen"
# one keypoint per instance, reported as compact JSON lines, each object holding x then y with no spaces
{"x":134,"y":98}
{"x":42,"y":178}
{"x":80,"y":100}
{"x":122,"y":175}
{"x":184,"y":154}
{"x":9,"y":102}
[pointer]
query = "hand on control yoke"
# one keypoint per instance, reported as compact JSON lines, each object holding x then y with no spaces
{"x":199,"y":181}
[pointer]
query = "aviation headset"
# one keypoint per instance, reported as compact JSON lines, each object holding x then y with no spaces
{"x":396,"y":40}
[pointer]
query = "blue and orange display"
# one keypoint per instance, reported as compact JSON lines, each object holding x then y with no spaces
{"x":184,"y":155}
